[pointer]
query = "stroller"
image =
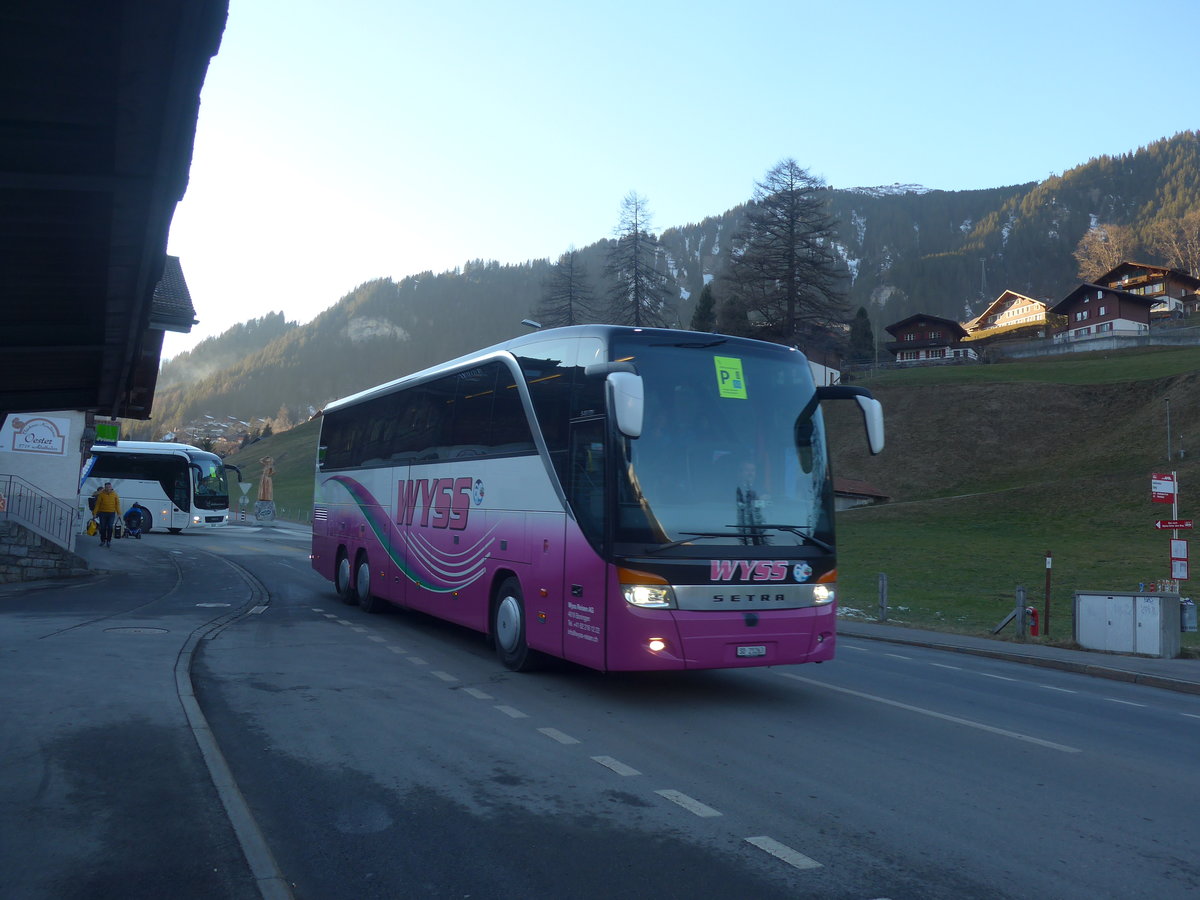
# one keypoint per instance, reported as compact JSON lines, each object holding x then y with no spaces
{"x":133,"y":523}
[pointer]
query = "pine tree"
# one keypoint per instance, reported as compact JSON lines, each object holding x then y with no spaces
{"x":639,"y":294}
{"x":786,"y":274}
{"x":567,"y":295}
{"x":862,"y":337}
{"x":704,"y":318}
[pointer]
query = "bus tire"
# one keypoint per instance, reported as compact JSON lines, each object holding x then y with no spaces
{"x":341,"y":579}
{"x":508,"y":628}
{"x":362,"y":587}
{"x":175,"y":530}
{"x":147,"y":519}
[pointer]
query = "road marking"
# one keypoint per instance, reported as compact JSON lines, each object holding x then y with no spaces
{"x":513,"y":713}
{"x":1124,"y":702}
{"x":417,"y":661}
{"x":258,"y":610}
{"x":1190,"y":715}
{"x":376,"y":638}
{"x":691,"y":804}
{"x":619,"y":767}
{"x":478,"y":694}
{"x":1051,"y":687}
{"x":944,"y":666}
{"x":445,"y":676}
{"x":1015,"y":735}
{"x":359,"y":629}
{"x":793,"y":858}
{"x":342,"y":621}
{"x":897,"y":656}
{"x":997,"y":677}
{"x":316,"y":609}
{"x":331,"y":615}
{"x":395,"y":649}
{"x":852,"y":647}
{"x":556,"y":735}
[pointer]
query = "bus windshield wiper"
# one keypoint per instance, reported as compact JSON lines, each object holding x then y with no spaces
{"x":689,"y":536}
{"x":793,"y":529}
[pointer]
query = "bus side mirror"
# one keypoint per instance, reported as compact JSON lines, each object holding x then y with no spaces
{"x":627,"y":401}
{"x":872,"y":411}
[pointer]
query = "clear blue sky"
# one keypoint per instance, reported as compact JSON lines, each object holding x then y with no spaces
{"x":341,"y":142}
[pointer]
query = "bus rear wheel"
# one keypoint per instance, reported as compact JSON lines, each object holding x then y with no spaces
{"x":362,"y":587}
{"x":341,"y":580}
{"x":508,"y":628}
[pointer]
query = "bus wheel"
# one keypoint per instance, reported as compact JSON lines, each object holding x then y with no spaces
{"x":147,"y":519}
{"x":508,"y":628}
{"x":362,"y":587}
{"x":341,"y":580}
{"x":175,"y":530}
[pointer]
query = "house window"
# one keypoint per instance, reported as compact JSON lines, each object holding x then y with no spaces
{"x":908,"y":354}
{"x":935,"y":335}
{"x":1104,"y":326}
{"x":1100,"y":311}
{"x":1081,"y":316}
{"x":910,"y":337}
{"x":937,"y":354}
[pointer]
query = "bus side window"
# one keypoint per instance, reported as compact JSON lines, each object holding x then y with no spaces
{"x":586,"y":489}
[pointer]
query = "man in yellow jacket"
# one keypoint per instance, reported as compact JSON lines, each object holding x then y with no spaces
{"x":107,"y":508}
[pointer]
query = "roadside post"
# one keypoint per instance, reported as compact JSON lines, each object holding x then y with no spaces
{"x":883,"y":597}
{"x":1046,"y":604}
{"x":1019,"y":613}
{"x":1164,"y":488}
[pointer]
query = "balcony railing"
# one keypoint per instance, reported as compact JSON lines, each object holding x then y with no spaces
{"x":32,"y":507}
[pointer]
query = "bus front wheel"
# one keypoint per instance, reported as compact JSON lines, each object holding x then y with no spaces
{"x":508,"y":628}
{"x":341,"y":580}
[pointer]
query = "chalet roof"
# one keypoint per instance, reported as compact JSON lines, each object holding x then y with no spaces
{"x":850,"y":487}
{"x":1069,"y":300}
{"x":953,"y":326}
{"x":1119,"y":272}
{"x":171,"y":308}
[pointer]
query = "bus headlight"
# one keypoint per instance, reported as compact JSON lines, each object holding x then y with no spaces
{"x":645,"y":590}
{"x":822,"y":594}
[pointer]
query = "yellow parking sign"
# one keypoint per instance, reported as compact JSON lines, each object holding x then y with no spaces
{"x":730,"y":380}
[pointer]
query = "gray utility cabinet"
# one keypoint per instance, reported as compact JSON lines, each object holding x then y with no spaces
{"x":1145,"y":624}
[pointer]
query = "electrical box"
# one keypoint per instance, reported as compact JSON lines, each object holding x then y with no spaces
{"x":1142,"y":624}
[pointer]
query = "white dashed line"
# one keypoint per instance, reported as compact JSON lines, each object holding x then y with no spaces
{"x":897,"y":656}
{"x":1190,"y":715}
{"x":792,"y":857}
{"x":417,"y":661}
{"x":998,"y":677}
{"x":445,"y":676}
{"x":258,"y":610}
{"x":396,"y":649}
{"x":991,"y":729}
{"x":331,"y":615}
{"x":512,"y":713}
{"x":478,"y":694}
{"x":556,"y":735}
{"x":342,"y":621}
{"x":1051,"y":687}
{"x":689,"y":803}
{"x":1124,"y":702}
{"x":619,"y":767}
{"x":359,"y":629}
{"x":316,"y":609}
{"x":376,"y":638}
{"x":852,"y":647}
{"x":944,"y":666}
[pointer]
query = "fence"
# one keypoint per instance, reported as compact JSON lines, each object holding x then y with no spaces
{"x":41,"y":513}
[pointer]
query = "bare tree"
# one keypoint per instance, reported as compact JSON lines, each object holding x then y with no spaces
{"x":640,"y":289}
{"x":1103,"y":248}
{"x":785,"y":274}
{"x":1177,"y":242}
{"x":567,"y":295}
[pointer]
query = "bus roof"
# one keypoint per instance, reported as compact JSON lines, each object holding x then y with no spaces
{"x":534,"y":337}
{"x":150,"y":447}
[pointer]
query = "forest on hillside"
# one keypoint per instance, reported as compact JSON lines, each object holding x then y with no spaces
{"x":900,"y":251}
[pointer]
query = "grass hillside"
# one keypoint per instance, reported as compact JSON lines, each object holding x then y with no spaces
{"x":988,"y":468}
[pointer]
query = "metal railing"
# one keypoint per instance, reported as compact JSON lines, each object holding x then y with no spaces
{"x":41,"y":513}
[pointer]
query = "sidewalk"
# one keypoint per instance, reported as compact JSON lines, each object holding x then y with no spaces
{"x":1173,"y":674}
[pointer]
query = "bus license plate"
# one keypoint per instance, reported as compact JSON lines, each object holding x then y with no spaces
{"x":759,"y":650}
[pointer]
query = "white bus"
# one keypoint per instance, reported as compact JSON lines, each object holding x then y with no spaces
{"x":175,"y":486}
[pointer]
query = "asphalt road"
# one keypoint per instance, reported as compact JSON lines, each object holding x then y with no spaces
{"x":392,"y":756}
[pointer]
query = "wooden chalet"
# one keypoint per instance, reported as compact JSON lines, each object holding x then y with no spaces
{"x":922,"y":339}
{"x":1175,"y":293}
{"x":1094,"y":310}
{"x":1011,"y":315}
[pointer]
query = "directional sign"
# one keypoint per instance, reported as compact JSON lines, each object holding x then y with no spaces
{"x":1172,"y":524}
{"x":1162,"y":487}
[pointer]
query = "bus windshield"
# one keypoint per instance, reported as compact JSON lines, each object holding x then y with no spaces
{"x":731,"y":452}
{"x":208,"y":481}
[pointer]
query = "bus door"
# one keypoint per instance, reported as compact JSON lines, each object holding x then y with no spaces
{"x":585,"y":580}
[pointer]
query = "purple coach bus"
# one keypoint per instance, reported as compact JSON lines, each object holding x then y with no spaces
{"x":625,"y":498}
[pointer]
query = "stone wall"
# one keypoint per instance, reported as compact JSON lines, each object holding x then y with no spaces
{"x":25,"y":556}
